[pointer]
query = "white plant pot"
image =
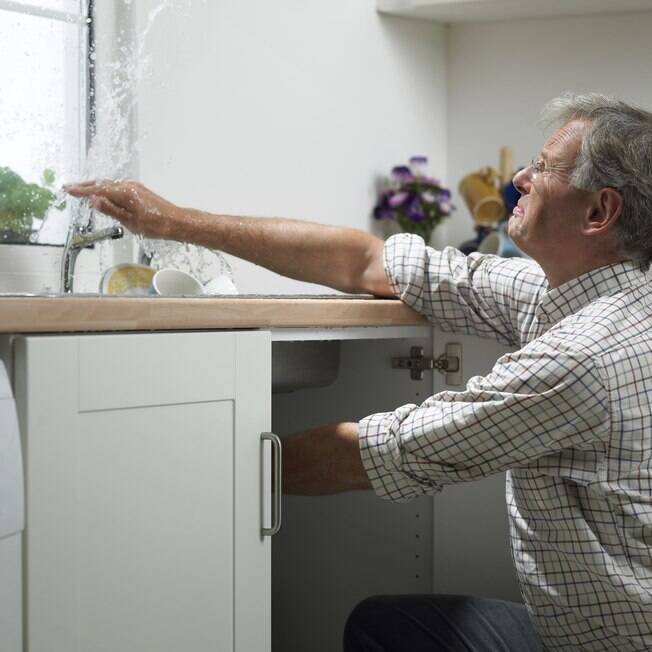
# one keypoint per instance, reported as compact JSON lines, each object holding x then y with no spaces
{"x":36,"y":269}
{"x":29,"y":268}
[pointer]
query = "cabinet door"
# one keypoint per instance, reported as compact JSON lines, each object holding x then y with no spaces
{"x":471,"y":540}
{"x":143,"y":492}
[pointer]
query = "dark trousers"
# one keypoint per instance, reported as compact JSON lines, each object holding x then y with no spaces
{"x":438,"y":623}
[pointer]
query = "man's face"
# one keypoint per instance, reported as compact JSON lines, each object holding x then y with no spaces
{"x":547,"y":220}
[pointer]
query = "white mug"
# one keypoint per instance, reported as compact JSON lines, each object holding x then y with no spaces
{"x":220,"y":285}
{"x":175,"y":283}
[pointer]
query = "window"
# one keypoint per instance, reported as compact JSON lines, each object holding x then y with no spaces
{"x":44,"y":113}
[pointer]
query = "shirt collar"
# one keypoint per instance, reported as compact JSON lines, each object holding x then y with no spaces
{"x":577,"y":293}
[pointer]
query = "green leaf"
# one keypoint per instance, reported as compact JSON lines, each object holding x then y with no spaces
{"x":48,"y":177}
{"x":22,"y":202}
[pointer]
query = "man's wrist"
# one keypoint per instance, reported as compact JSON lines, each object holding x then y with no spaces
{"x":325,"y":460}
{"x":183,"y":225}
{"x":353,"y":474}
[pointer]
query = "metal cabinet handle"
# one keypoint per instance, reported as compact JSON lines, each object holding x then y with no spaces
{"x":277,"y":470}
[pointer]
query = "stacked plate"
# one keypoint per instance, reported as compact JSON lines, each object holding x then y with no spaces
{"x":127,"y":280}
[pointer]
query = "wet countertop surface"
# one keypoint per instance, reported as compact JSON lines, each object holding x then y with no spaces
{"x":79,"y":313}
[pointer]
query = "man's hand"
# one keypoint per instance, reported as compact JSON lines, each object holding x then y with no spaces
{"x":323,"y":461}
{"x":138,"y":208}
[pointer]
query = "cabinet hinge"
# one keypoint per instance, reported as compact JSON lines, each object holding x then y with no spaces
{"x":449,"y":363}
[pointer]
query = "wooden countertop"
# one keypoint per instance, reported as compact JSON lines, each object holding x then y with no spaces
{"x":79,"y":313}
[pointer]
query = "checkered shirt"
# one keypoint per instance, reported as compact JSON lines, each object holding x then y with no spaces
{"x":568,"y":416}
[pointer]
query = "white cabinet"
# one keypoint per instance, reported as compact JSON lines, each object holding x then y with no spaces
{"x":144,"y":493}
{"x":455,"y":11}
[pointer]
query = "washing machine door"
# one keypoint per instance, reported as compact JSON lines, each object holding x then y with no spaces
{"x":12,"y":521}
{"x":12,"y":508}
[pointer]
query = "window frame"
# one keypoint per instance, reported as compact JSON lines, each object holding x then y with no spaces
{"x":84,"y":18}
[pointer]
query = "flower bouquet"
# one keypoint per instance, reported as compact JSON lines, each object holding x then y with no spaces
{"x":416,"y":201}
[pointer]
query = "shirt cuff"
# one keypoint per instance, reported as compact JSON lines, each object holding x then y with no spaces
{"x":397,"y":251}
{"x":382,"y":457}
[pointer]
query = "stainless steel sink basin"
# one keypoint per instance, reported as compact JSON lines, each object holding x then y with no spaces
{"x":298,"y":365}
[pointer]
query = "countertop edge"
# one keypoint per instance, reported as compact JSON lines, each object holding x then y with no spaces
{"x":59,"y":314}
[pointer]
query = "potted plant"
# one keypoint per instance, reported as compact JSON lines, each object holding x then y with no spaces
{"x":417,"y":202}
{"x":21,"y":203}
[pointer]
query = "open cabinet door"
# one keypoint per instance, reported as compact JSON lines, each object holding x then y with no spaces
{"x":471,"y":553}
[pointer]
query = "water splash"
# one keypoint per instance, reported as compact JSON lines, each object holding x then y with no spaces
{"x":115,"y":145}
{"x":202,"y":263}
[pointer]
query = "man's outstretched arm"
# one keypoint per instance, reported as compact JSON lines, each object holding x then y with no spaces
{"x":346,"y":259}
{"x":322,"y":461}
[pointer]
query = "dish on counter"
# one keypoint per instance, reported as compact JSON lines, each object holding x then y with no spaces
{"x":127,"y":280}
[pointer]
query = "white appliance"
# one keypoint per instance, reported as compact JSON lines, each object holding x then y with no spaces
{"x":12,"y":521}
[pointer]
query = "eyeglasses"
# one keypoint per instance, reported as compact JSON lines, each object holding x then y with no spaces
{"x":536,"y":169}
{"x":539,"y":169}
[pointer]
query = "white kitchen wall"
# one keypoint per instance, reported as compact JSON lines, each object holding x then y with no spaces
{"x":501,"y":73}
{"x":288,"y":109}
{"x":295,"y":108}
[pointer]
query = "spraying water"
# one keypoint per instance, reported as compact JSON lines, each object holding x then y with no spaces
{"x":115,"y":145}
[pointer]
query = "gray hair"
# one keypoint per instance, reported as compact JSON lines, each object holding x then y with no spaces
{"x":616,"y":153}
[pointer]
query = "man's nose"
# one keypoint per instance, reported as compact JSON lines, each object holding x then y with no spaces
{"x":522,"y":180}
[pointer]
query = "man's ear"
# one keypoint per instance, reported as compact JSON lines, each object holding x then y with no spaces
{"x":604,"y":212}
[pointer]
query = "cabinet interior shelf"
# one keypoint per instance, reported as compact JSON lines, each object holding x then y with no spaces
{"x":457,"y":11}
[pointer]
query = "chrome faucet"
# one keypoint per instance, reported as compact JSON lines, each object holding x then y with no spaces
{"x":82,"y":237}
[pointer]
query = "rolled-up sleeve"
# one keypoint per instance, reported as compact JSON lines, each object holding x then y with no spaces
{"x":535,"y":403}
{"x":476,"y":294}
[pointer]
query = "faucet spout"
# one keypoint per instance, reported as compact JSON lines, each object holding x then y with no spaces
{"x":79,"y":238}
{"x":83,"y":239}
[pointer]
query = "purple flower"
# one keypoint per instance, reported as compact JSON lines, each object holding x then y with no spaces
{"x":418,"y":166}
{"x":402,"y":173}
{"x":383,"y":213}
{"x":398,"y":199}
{"x":415,"y":212}
{"x":418,"y":161}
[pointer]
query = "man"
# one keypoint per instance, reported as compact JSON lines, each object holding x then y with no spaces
{"x":569,"y":415}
